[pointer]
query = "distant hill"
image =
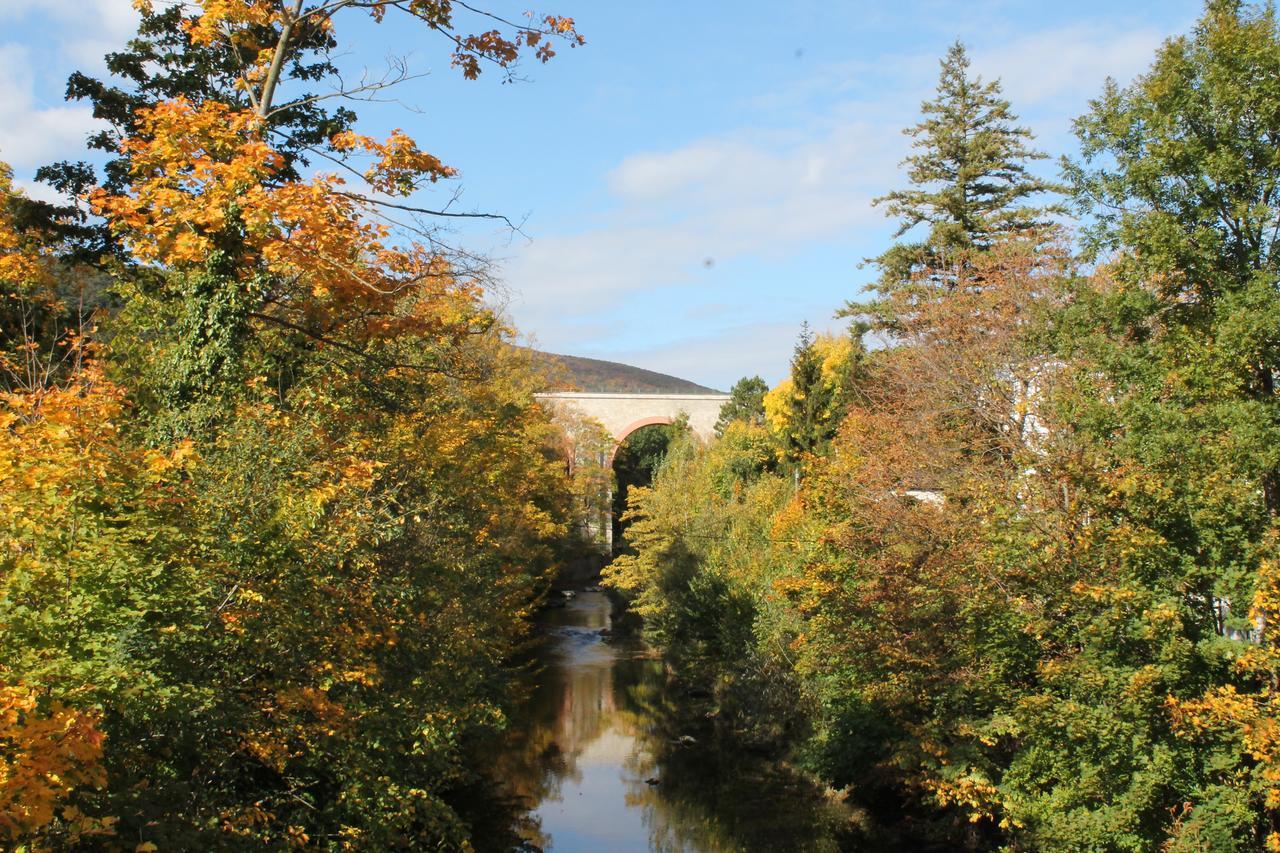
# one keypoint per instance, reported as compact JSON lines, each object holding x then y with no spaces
{"x":575,"y":373}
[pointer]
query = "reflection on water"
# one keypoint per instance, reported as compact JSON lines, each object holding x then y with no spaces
{"x":606,"y":762}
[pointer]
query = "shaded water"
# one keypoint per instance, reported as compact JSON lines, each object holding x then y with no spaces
{"x":606,"y":759}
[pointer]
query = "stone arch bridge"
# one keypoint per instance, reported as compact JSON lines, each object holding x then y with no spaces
{"x":623,"y":414}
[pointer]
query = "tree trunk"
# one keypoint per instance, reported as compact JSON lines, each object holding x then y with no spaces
{"x":277,"y":60}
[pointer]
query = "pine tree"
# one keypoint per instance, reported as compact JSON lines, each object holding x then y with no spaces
{"x":809,"y":421}
{"x":969,"y":181}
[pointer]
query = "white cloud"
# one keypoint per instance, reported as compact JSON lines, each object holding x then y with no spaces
{"x":1069,"y":63}
{"x":43,"y":43}
{"x":33,"y":133}
{"x":717,"y":199}
{"x":83,"y":30}
{"x":763,"y":194}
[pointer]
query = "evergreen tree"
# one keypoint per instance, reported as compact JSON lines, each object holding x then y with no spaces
{"x":809,"y":422}
{"x":746,"y":403}
{"x":969,"y":183}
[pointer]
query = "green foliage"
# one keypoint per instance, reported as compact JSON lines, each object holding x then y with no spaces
{"x":809,"y":421}
{"x":745,"y":403}
{"x":1183,"y":332}
{"x":1182,"y":170}
{"x":634,"y":463}
{"x":701,"y":573}
{"x":294,"y":623}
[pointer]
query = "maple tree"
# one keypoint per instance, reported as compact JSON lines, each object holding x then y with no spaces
{"x":208,"y":180}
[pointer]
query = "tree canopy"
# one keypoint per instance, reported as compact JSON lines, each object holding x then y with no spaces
{"x":970,"y":185}
{"x":274,"y":514}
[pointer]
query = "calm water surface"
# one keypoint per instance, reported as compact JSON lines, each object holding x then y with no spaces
{"x":604,"y":759}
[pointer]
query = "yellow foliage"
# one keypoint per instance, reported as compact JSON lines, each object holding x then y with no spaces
{"x":21,"y":266}
{"x":971,"y":791}
{"x":776,"y":407}
{"x":834,"y":351}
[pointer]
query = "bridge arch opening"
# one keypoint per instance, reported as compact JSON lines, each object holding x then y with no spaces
{"x":601,"y":425}
{"x":638,"y":453}
{"x":626,"y":432}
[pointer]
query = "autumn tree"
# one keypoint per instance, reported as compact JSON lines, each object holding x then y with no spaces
{"x":234,"y":108}
{"x":246,"y":57}
{"x":292,"y":513}
{"x":51,"y":473}
{"x":699,"y":571}
{"x":1179,"y":172}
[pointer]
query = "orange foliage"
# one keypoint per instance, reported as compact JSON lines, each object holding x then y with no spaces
{"x":193,"y":168}
{"x":45,"y":754}
{"x":202,"y":181}
{"x":401,"y":163}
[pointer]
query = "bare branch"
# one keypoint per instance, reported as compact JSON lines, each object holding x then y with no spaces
{"x":395,"y":75}
{"x":428,"y":211}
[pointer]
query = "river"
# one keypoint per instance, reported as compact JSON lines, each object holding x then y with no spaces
{"x":602,"y":757}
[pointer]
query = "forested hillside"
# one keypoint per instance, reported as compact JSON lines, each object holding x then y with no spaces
{"x":593,"y":375}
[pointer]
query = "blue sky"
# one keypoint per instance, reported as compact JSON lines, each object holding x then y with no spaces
{"x":694,"y":182}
